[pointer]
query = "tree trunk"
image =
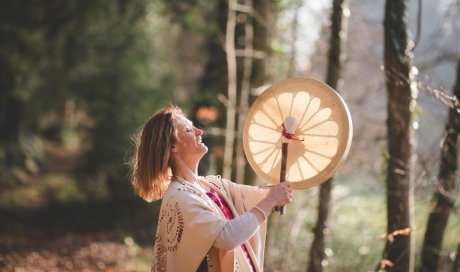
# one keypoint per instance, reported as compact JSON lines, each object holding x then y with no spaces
{"x":444,"y":195}
{"x":399,"y":247}
{"x":335,"y":60}
{"x":263,"y":24}
{"x":456,"y":267}
{"x":318,"y":244}
{"x":252,"y":69}
{"x":232,"y":89}
{"x":295,"y":36}
{"x":245,"y":90}
{"x":11,"y":109}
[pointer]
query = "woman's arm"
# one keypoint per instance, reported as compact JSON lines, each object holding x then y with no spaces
{"x":279,"y":195}
{"x":237,"y":231}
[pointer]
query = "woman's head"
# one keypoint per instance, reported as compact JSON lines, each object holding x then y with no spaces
{"x":166,"y":139}
{"x":153,"y":161}
{"x":189,"y":148}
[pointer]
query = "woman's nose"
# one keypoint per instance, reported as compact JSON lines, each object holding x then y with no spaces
{"x":198,"y":131}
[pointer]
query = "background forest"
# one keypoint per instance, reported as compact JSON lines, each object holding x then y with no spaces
{"x":78,"y":78}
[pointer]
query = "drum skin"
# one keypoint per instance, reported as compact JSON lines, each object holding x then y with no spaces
{"x":322,"y":138}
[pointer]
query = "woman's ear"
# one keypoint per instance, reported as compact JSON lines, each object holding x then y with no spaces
{"x":173,"y":149}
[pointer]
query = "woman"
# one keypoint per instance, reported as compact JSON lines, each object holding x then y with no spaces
{"x":205,"y":223}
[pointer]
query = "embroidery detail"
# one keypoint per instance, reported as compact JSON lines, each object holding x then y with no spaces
{"x":210,"y":264}
{"x":215,"y":184}
{"x":190,"y":190}
{"x":237,"y":266}
{"x":211,"y":180}
{"x":174,"y":226}
{"x":159,"y":256}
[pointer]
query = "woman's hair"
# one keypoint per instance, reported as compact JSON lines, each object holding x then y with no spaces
{"x":153,"y":164}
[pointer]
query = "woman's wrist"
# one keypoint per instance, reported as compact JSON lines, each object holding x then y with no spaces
{"x":266,"y":205}
{"x":260,"y":214}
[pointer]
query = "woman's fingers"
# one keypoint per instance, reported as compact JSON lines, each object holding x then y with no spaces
{"x":282,"y":193}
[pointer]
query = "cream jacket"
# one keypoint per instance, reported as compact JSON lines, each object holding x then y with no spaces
{"x":190,"y":222}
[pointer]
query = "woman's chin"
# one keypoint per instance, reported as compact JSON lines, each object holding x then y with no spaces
{"x":202,"y":146}
{"x":205,"y":149}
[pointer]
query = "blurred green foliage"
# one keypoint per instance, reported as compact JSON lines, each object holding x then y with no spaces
{"x":77,"y":78}
{"x":96,"y":54}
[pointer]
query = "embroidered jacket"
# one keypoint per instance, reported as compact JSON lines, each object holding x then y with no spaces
{"x":190,"y":222}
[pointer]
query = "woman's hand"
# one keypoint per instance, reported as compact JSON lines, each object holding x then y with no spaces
{"x":279,"y":195}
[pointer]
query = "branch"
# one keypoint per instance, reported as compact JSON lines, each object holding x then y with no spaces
{"x":250,"y":53}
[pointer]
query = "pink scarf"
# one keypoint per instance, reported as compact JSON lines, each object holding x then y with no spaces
{"x":223,"y":206}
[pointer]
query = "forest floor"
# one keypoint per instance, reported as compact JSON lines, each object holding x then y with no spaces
{"x":74,"y":252}
{"x":35,"y":236}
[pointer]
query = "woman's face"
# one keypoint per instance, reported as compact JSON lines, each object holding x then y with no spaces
{"x":188,"y":144}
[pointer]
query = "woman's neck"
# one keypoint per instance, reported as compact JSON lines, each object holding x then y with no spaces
{"x":188,"y":176}
{"x":186,"y":171}
{"x":192,"y":177}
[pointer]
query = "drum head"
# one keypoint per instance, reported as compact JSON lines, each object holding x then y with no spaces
{"x":324,"y":131}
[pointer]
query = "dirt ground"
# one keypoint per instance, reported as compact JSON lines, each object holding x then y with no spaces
{"x":73,"y":252}
{"x":35,"y":239}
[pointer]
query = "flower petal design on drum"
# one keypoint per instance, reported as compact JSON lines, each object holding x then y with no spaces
{"x":321,"y":140}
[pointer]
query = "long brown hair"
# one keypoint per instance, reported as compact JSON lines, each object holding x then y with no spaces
{"x":153,"y":164}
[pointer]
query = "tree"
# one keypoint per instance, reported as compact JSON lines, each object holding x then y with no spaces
{"x":398,"y":251}
{"x":443,"y":197}
{"x":246,"y":47}
{"x":252,"y":58}
{"x":120,"y":91}
{"x":37,"y":61}
{"x":456,"y":267}
{"x":231,"y":88}
{"x":335,"y":61}
{"x":105,"y":69}
{"x":248,"y":55}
